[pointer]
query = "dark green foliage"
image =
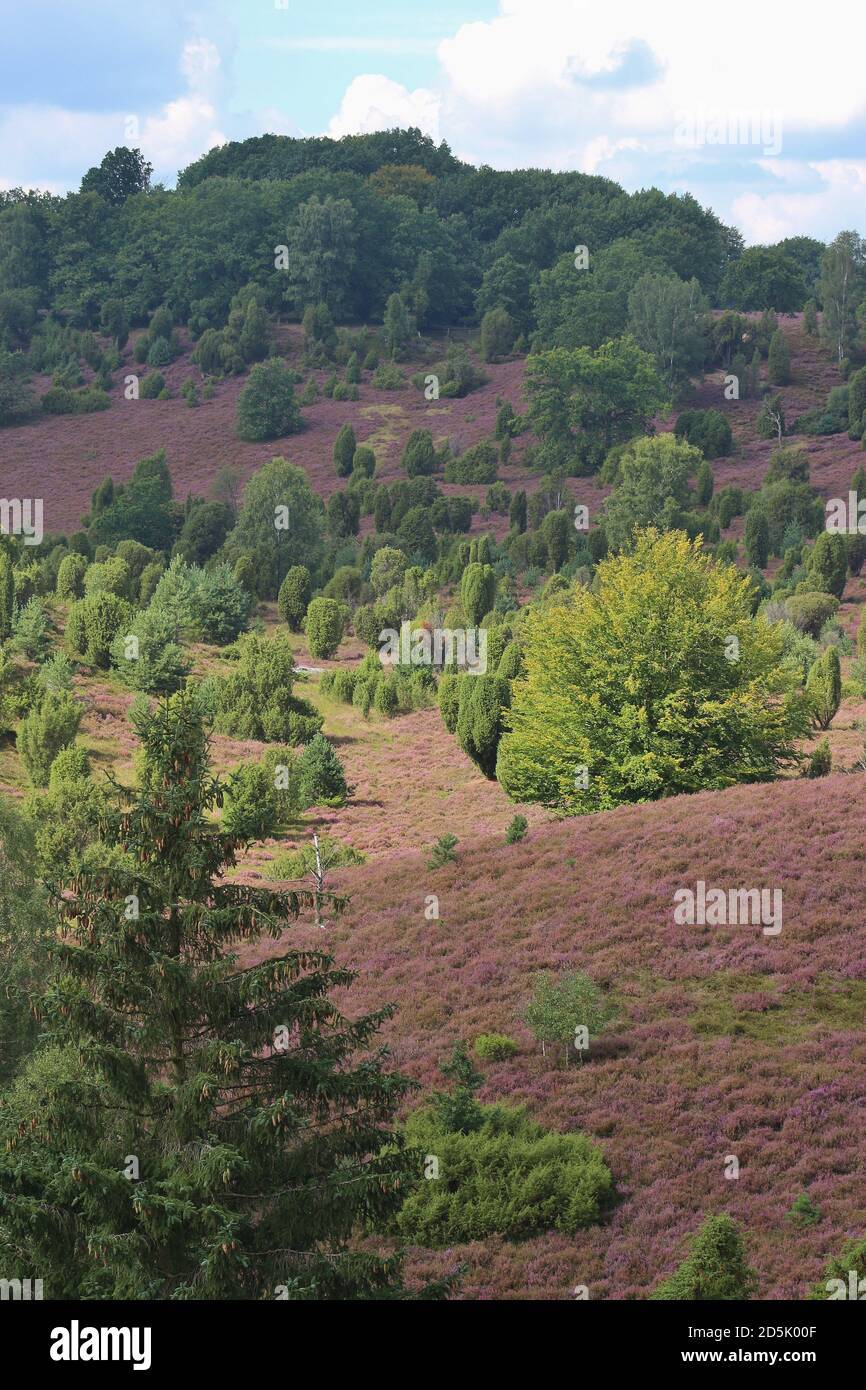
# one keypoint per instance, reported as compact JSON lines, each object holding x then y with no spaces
{"x":266,"y":406}
{"x":344,"y":451}
{"x":508,"y":1177}
{"x":442,"y":851}
{"x":121,"y":173}
{"x":804,"y":1212}
{"x":148,"y":656}
{"x":255,"y":699}
{"x":497,"y":334}
{"x":479,"y":719}
{"x":708,"y":430}
{"x":277,"y":492}
{"x":824,"y":687}
{"x":477,"y":592}
{"x":416,"y":533}
{"x":344,"y":514}
{"x":93,"y":624}
{"x":843,"y":1274}
{"x":250,"y":810}
{"x":263,"y":1144}
{"x":477,"y":465}
{"x":809,"y":612}
{"x":715,"y":1270}
{"x":322,"y":776}
{"x":324,"y":626}
{"x":827,"y":564}
{"x":757,"y":538}
{"x":779,"y":360}
{"x":204,"y":531}
{"x":50,"y":725}
{"x":294,"y":597}
{"x":419,"y":456}
{"x":516,"y":830}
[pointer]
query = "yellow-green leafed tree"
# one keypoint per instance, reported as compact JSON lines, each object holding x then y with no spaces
{"x":657,"y":681}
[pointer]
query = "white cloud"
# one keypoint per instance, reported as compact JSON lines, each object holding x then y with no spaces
{"x":372,"y":102}
{"x":571,"y":84}
{"x":46,"y":136}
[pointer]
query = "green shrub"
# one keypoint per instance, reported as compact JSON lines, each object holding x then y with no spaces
{"x":516,"y":830}
{"x":715,"y":1269}
{"x":443,"y":851}
{"x":324,"y":626}
{"x":479,"y":464}
{"x":266,"y":407}
{"x":151,"y":386}
{"x":322,"y":776}
{"x":255,"y":699}
{"x":509,"y":1177}
{"x":49,"y":726}
{"x":843,"y":1271}
{"x":294,"y":597}
{"x":30,"y":631}
{"x":250,"y":809}
{"x":495,"y":1047}
{"x":148,"y":656}
{"x":809,"y":612}
{"x":803,"y":1212}
{"x":70,"y":576}
{"x":93,"y":624}
{"x":388,"y":377}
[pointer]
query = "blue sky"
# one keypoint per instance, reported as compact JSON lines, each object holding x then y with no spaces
{"x":763,"y":120}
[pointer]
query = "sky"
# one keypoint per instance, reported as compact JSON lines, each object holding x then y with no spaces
{"x":758,"y":110}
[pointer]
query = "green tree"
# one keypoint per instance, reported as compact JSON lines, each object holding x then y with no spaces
{"x":477,"y":592}
{"x":324,"y":626}
{"x":583,"y":402}
{"x":114,"y":322}
{"x":824,"y":687}
{"x":810,"y":319}
{"x":419,"y":456}
{"x":497,"y":334}
{"x":652,"y":486}
{"x":779,"y":360}
{"x":7,"y":593}
{"x":294,"y":597}
{"x":843,"y":270}
{"x":629,"y":692}
{"x":827,"y":563}
{"x":50,"y":725}
{"x":668,"y":318}
{"x":322,"y":244}
{"x":560,"y":1005}
{"x":122,"y":173}
{"x":92,"y":626}
{"x":261,"y":1143}
{"x":757,"y":538}
{"x":255,"y":699}
{"x":281,"y":522}
{"x":715,"y":1269}
{"x":266,"y":407}
{"x":480,"y":719}
{"x":344,"y":450}
{"x":322,"y":775}
{"x":397,"y":327}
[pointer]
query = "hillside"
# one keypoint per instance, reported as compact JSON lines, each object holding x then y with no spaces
{"x":731,"y":1042}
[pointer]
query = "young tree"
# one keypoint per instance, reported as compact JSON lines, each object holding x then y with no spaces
{"x":824,"y":687}
{"x":757,"y":538}
{"x":827,"y":563}
{"x":779,"y":360}
{"x":322,"y":246}
{"x":668,"y":318}
{"x":843,"y":269}
{"x":49,"y":727}
{"x":560,"y":1006}
{"x":266,"y":407}
{"x":477,"y":592}
{"x":629,"y":693}
{"x":715,"y":1269}
{"x":344,"y":450}
{"x":192,"y":1127}
{"x":294,"y":597}
{"x":497,"y":334}
{"x":322,"y":777}
{"x":281,"y":522}
{"x":419,"y":456}
{"x":652,"y":486}
{"x":324,"y":626}
{"x":480,"y":719}
{"x":397,"y":326}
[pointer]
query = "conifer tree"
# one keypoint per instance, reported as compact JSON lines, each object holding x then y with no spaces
{"x":191,"y":1127}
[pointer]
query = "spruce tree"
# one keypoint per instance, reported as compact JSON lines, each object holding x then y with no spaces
{"x":192,"y":1127}
{"x":715,"y":1269}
